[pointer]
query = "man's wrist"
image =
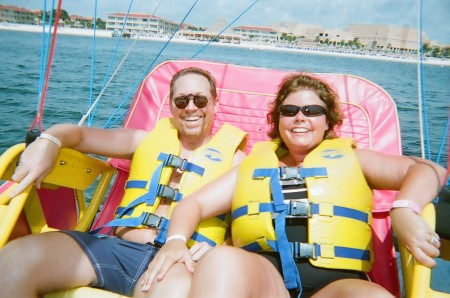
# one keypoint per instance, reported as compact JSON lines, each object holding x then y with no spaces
{"x":51,"y":138}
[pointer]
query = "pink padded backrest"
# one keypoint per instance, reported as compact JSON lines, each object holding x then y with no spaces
{"x":245,"y":94}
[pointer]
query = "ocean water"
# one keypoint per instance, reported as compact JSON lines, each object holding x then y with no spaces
{"x":68,"y":92}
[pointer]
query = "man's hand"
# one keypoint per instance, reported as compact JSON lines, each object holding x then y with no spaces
{"x":35,"y":163}
{"x":172,"y":252}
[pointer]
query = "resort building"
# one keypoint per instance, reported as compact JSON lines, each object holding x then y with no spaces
{"x":81,"y":22}
{"x":143,"y":24}
{"x":387,"y":37}
{"x":299,"y":30}
{"x":252,"y":33}
{"x":18,"y":15}
{"x":212,"y":32}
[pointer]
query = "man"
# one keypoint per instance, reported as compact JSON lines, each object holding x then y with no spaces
{"x":53,"y":261}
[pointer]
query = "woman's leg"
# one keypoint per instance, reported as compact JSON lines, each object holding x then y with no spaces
{"x":42,"y":263}
{"x":353,"y":288}
{"x":227,"y":271}
{"x":176,"y":284}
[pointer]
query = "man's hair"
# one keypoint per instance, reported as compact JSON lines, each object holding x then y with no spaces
{"x":195,"y":70}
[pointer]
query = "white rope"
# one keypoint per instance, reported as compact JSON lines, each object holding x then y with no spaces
{"x":94,"y":104}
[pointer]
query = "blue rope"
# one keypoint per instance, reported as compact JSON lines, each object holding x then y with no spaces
{"x":112,"y":58}
{"x":94,"y":45}
{"x":198,"y":52}
{"x":111,"y":122}
{"x":444,"y":137}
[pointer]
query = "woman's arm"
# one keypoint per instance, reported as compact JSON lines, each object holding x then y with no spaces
{"x":417,"y":181}
{"x":210,"y":200}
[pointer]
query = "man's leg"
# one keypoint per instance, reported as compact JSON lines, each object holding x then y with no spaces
{"x":42,"y":263}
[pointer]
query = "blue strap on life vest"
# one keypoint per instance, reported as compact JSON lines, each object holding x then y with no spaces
{"x":289,"y":267}
{"x":243,"y":210}
{"x":155,"y":190}
{"x":201,"y":238}
{"x":344,"y":212}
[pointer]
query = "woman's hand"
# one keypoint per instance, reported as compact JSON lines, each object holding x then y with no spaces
{"x":172,"y":252}
{"x":35,"y":163}
{"x":199,"y":249}
{"x":416,"y":235}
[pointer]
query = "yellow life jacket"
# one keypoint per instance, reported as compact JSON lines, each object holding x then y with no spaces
{"x":151,"y":168}
{"x":338,"y":208}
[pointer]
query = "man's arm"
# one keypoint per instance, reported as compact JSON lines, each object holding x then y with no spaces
{"x":38,"y":158}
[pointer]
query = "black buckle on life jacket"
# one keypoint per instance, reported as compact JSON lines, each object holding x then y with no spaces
{"x":298,"y":208}
{"x":166,"y":191}
{"x":302,"y":250}
{"x":152,"y":220}
{"x":177,"y":162}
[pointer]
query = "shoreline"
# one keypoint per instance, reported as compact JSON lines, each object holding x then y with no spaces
{"x":248,"y":45}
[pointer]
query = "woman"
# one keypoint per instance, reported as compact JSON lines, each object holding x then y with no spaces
{"x":283,"y":190}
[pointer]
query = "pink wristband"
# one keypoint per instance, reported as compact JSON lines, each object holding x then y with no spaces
{"x":407,"y":204}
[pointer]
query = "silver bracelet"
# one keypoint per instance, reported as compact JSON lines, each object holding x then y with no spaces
{"x":51,"y":138}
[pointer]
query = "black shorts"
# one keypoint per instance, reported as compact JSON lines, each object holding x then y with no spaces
{"x":118,"y":263}
{"x":312,"y":278}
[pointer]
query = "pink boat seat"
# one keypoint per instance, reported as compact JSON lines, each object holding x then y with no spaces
{"x":245,"y":94}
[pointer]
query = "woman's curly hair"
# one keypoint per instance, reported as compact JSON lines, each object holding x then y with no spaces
{"x":301,"y":81}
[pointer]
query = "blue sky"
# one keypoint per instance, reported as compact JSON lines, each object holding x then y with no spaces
{"x":326,"y":13}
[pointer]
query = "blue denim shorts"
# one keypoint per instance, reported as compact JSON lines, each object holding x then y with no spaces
{"x":118,"y":263}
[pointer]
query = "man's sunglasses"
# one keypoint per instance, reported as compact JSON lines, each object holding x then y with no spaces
{"x":182,"y":101}
{"x":308,"y":110}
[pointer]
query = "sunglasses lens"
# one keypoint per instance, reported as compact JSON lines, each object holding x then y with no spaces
{"x":200,"y":101}
{"x":289,"y":110}
{"x":313,"y":110}
{"x":308,"y":111}
{"x":181,"y":102}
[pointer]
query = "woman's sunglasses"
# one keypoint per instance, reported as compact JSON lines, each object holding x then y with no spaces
{"x":182,"y":101}
{"x":308,"y":111}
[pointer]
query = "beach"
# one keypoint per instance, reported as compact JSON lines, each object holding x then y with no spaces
{"x":246,"y":44}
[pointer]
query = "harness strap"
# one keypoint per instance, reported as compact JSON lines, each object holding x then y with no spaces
{"x":290,"y":271}
{"x":146,"y":218}
{"x":181,"y":163}
{"x":302,"y":209}
{"x":155,"y":190}
{"x":201,"y":238}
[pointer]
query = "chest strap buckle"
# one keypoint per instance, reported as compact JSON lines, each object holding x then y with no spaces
{"x":168,"y":192}
{"x":304,"y":250}
{"x":298,"y":208}
{"x":152,"y":220}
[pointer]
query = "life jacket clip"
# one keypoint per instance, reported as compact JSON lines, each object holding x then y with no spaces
{"x":151,"y":220}
{"x":298,"y":208}
{"x":304,"y":250}
{"x":168,"y":192}
{"x":177,"y":162}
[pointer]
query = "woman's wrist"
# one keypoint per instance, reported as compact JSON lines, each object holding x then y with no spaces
{"x":407,"y":204}
{"x":176,"y":236}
